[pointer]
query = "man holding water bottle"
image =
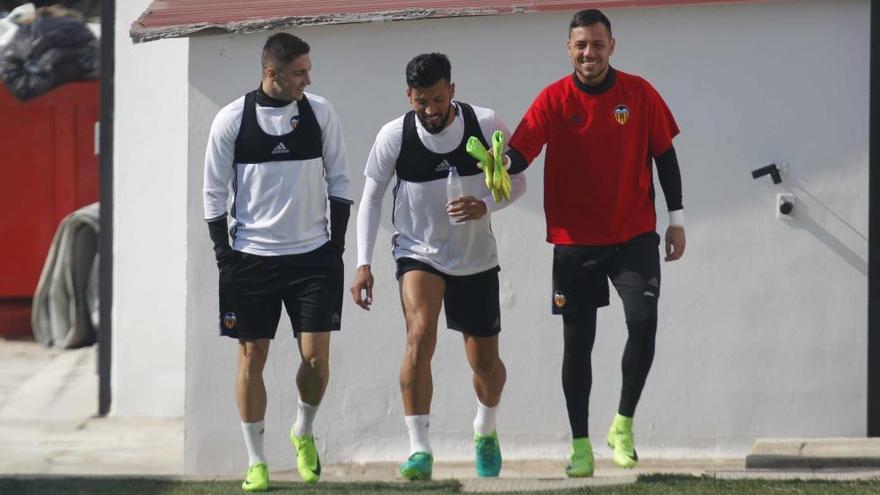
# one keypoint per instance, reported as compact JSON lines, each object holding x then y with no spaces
{"x":444,"y":248}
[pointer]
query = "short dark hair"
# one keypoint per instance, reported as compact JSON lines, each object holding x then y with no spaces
{"x":427,"y":70}
{"x":282,"y":48}
{"x":588,"y":18}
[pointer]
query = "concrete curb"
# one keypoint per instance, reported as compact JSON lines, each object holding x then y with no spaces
{"x":540,"y":485}
{"x":797,"y":474}
{"x":814,"y":453}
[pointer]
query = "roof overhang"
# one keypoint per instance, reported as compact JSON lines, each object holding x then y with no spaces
{"x":181,"y":18}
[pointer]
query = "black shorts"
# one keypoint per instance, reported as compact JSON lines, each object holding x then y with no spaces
{"x":253,"y":288}
{"x":581,"y":273}
{"x":471,"y":302}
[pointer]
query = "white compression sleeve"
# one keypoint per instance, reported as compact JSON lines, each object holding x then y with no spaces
{"x":369,"y":215}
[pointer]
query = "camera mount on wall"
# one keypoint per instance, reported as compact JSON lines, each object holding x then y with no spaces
{"x":771,"y":169}
{"x":784,"y":201}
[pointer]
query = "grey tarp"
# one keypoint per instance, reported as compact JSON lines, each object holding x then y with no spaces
{"x":65,"y":308}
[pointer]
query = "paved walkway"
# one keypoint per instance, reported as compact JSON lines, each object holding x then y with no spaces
{"x":48,"y":400}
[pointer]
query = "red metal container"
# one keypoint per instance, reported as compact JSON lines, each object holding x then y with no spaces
{"x":48,"y":168}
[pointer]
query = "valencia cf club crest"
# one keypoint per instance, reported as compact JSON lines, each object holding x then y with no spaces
{"x":621,"y":114}
{"x":294,"y":122}
{"x":230,"y":320}
{"x":559,"y":299}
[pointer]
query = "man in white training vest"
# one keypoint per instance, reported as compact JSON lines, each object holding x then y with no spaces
{"x":280,"y":150}
{"x":438,"y":264}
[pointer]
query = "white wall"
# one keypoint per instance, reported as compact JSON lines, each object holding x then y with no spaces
{"x":763,"y":323}
{"x":149,"y":265}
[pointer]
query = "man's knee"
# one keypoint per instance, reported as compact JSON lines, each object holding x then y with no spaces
{"x":316,"y":360}
{"x":639,"y":309}
{"x":253,"y":351}
{"x":420,"y":344}
{"x":252,"y":358}
{"x":487,"y":367}
{"x":315,"y":351}
{"x":483,"y":356}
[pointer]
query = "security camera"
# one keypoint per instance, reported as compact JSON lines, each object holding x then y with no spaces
{"x":784,"y":205}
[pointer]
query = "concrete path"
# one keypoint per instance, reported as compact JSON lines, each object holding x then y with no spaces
{"x":48,"y":400}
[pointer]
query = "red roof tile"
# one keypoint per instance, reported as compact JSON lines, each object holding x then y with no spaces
{"x":179,"y":18}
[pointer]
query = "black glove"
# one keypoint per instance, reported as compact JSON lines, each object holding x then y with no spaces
{"x":223,"y":252}
{"x":340,"y":210}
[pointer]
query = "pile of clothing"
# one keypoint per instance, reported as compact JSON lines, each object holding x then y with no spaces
{"x":44,"y":48}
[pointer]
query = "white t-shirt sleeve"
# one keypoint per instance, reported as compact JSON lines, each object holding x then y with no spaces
{"x":334,"y":152}
{"x":220,"y":158}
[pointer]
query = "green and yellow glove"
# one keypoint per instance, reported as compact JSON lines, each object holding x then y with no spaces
{"x":475,"y":148}
{"x":496,"y":177}
{"x":500,"y":179}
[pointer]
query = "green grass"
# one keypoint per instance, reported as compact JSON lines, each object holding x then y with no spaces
{"x":116,"y":486}
{"x":654,"y":485}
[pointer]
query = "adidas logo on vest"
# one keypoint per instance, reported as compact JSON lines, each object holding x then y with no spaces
{"x":280,"y":149}
{"x":442,"y":167}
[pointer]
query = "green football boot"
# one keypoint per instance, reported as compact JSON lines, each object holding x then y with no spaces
{"x":620,"y":438}
{"x":580,"y":464}
{"x":307,"y":461}
{"x":488,"y":454}
{"x":257,"y":478}
{"x":418,"y":467}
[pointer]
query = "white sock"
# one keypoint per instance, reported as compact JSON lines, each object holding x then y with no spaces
{"x":305,"y":417}
{"x":484,"y":421}
{"x":418,"y":433}
{"x":253,"y":440}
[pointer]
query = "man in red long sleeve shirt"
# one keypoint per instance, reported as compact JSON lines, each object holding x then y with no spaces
{"x":603,"y":128}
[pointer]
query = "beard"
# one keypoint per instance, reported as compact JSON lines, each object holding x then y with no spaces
{"x":439,"y":126}
{"x":594,"y":76}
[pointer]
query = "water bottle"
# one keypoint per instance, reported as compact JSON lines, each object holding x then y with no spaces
{"x":454,"y":188}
